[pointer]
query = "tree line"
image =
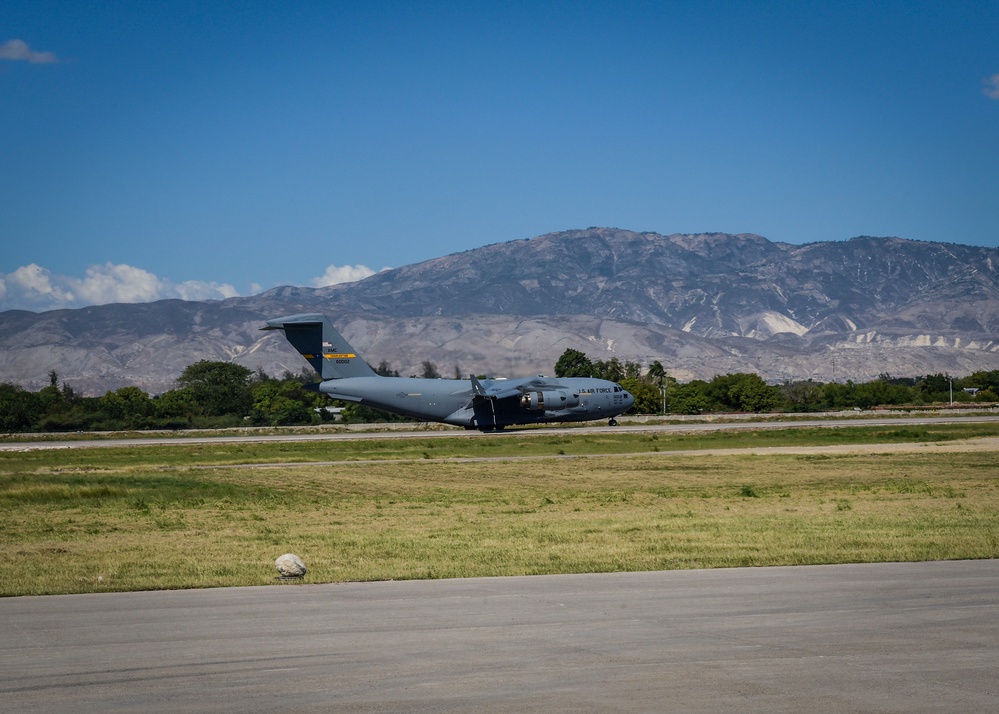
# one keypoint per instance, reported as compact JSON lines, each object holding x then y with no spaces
{"x":656,"y":392}
{"x":212,"y":394}
{"x":209,"y":395}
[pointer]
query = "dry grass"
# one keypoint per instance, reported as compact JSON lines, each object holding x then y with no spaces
{"x":66,"y":529}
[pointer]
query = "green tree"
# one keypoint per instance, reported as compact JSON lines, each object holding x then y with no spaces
{"x":689,"y":398}
{"x":176,"y":406}
{"x":385,"y":370}
{"x":749,"y":393}
{"x":53,"y":400}
{"x":982,"y":380}
{"x":219,"y":388}
{"x":802,"y":396}
{"x":647,"y":399}
{"x":742,"y":392}
{"x":75,"y":413}
{"x":657,"y":373}
{"x":20,"y":410}
{"x":934,"y":387}
{"x":837,"y":395}
{"x":129,"y":405}
{"x":573,"y":363}
{"x":282,"y":403}
{"x":632,"y":370}
{"x":892,"y":391}
{"x":717,"y":392}
{"x":611,"y":369}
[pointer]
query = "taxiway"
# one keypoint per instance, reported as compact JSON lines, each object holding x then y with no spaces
{"x":912,"y":637}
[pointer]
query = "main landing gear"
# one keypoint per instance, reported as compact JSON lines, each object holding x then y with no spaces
{"x":612,"y":422}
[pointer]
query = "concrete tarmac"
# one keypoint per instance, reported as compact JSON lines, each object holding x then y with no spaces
{"x":910,"y":637}
{"x":18,"y":442}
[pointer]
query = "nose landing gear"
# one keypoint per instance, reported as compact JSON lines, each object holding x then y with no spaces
{"x":612,"y":422}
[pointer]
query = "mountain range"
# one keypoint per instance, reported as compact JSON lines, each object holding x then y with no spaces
{"x":701,"y":304}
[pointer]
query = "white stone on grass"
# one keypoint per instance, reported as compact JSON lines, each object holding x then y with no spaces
{"x":290,"y":566}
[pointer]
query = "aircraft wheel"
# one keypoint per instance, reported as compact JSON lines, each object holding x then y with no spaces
{"x":612,"y":422}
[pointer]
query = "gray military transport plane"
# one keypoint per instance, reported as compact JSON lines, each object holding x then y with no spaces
{"x":488,"y":405}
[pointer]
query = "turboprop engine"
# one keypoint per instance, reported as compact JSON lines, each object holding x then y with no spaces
{"x":549,"y":400}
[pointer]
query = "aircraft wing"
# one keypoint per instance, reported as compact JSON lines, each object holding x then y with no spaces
{"x":510,"y":388}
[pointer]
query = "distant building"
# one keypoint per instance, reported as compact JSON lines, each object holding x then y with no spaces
{"x":337,"y":412}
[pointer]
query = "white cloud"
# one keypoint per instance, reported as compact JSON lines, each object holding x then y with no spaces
{"x":335,"y":275}
{"x":992,"y":87}
{"x":33,"y":287}
{"x":35,"y":283}
{"x":118,"y":283}
{"x":18,"y":51}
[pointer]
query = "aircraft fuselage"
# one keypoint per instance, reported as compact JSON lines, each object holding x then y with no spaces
{"x":451,"y":401}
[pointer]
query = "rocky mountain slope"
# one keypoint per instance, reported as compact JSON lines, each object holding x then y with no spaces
{"x":701,"y":304}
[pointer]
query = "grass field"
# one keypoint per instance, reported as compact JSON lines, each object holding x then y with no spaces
{"x":90,"y":520}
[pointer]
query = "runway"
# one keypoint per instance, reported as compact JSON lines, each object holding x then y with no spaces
{"x":408,"y":431}
{"x":914,"y":637}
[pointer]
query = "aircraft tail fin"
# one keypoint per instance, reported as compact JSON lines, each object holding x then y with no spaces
{"x":314,"y":336}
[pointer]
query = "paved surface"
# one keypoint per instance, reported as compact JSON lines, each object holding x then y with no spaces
{"x":920,"y":637}
{"x":402,"y":431}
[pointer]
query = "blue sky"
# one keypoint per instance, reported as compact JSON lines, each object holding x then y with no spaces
{"x":203,"y":150}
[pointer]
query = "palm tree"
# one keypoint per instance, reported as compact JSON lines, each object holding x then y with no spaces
{"x":658,"y":373}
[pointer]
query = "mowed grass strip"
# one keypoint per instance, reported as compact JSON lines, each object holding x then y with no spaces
{"x":66,"y":529}
{"x":510,"y":444}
